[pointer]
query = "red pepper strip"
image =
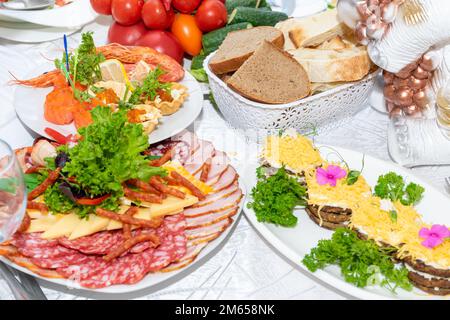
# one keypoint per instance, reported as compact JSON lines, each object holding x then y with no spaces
{"x":58,"y":137}
{"x":92,"y":201}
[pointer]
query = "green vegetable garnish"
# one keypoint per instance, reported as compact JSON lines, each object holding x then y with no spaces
{"x":392,"y":186}
{"x":84,"y":62}
{"x":362,"y":262}
{"x":108,"y":154}
{"x":199,"y":74}
{"x":274,"y":198}
{"x":149,"y":88}
{"x":393,"y":215}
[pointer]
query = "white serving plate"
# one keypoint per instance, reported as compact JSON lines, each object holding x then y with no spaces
{"x":295,"y":243}
{"x":29,"y":105}
{"x":151,"y":279}
{"x":32,"y":33}
{"x":72,"y":15}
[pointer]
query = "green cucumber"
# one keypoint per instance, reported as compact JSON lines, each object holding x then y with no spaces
{"x":212,"y":40}
{"x":256,"y":17}
{"x":232,"y":4}
{"x":197,"y":61}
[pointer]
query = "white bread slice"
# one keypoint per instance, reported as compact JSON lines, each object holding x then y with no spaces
{"x":337,"y":43}
{"x":314,"y":30}
{"x":350,"y":64}
{"x":238,"y":46}
{"x":271,"y":76}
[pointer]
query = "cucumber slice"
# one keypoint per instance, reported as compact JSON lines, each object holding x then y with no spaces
{"x":256,"y":17}
{"x":232,"y":4}
{"x":212,"y":40}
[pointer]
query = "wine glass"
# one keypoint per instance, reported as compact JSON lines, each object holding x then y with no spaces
{"x":13,"y":195}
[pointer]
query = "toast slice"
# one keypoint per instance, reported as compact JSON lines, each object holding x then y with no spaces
{"x":314,"y":30}
{"x":238,"y":46}
{"x":350,"y":64}
{"x":271,"y":76}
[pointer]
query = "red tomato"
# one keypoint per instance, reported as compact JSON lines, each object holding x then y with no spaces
{"x":126,"y":12}
{"x":186,"y":6}
{"x":187,"y":32}
{"x":211,"y":15}
{"x":155,"y":15}
{"x":102,"y":6}
{"x":126,"y":35}
{"x":164,"y":42}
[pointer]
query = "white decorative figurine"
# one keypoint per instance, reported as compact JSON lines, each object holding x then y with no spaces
{"x":409,"y":40}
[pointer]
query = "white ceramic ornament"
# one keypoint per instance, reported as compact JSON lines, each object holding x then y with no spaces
{"x":416,"y":59}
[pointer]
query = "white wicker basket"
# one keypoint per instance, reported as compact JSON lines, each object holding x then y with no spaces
{"x":323,"y":111}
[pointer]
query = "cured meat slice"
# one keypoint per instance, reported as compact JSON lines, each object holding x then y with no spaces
{"x":61,"y":261}
{"x":180,"y":244}
{"x":30,"y":240}
{"x":175,"y":224}
{"x":83,"y":269}
{"x":204,"y":231}
{"x":226,"y":179}
{"x":98,"y":243}
{"x":193,"y":250}
{"x":178,"y":265}
{"x":133,"y":269}
{"x":195,"y":162}
{"x":212,"y":218}
{"x":219,"y":164}
{"x":207,"y":238}
{"x":45,"y":252}
{"x":212,"y":197}
{"x":188,"y":138}
{"x":216,"y":206}
{"x":26,"y":263}
{"x":140,"y":247}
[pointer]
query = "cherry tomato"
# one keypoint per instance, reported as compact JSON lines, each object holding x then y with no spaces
{"x":211,"y":15}
{"x":186,"y":6}
{"x":102,"y":6}
{"x":155,"y":15}
{"x":187,"y":32}
{"x":126,"y":12}
{"x":126,"y":35}
{"x":164,"y":42}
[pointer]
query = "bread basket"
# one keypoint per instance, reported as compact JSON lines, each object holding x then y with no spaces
{"x":323,"y":111}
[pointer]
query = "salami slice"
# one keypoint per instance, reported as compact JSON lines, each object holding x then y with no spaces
{"x":61,"y":261}
{"x":32,"y":240}
{"x":45,"y":252}
{"x":99,"y":243}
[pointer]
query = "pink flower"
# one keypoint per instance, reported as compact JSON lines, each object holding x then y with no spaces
{"x":434,"y":236}
{"x":330,"y":175}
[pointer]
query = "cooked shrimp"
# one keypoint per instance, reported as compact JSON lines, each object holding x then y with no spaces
{"x":48,"y":79}
{"x":130,"y":56}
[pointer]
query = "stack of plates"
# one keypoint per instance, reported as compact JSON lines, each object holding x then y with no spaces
{"x":45,"y":24}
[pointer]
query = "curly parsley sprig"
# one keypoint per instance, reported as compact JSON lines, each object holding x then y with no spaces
{"x":274,"y":198}
{"x":392,"y":186}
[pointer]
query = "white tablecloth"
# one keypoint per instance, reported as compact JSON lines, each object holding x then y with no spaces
{"x":246,"y":267}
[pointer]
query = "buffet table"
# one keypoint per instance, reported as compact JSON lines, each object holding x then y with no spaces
{"x":245,"y":266}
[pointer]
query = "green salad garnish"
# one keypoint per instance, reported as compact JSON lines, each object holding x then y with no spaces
{"x":393,"y":187}
{"x":362,"y":262}
{"x":275,"y":197}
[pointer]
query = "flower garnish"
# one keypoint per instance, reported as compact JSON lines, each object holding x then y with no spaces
{"x":434,"y":236}
{"x":330,"y":175}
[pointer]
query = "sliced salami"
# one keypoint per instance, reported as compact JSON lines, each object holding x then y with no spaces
{"x":99,"y":243}
{"x":61,"y":261}
{"x":31,"y":240}
{"x":212,"y":218}
{"x":45,"y":252}
{"x":175,"y":224}
{"x":216,"y":206}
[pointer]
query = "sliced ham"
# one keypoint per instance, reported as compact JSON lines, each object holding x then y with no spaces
{"x":204,"y":231}
{"x":207,"y":238}
{"x":216,"y":206}
{"x":195,"y":162}
{"x":219,"y":164}
{"x":226,"y":178}
{"x":212,"y":218}
{"x":212,"y":197}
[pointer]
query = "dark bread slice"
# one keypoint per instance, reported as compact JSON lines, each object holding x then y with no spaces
{"x":271,"y":76}
{"x":422,"y":267}
{"x":324,"y":224}
{"x":331,"y":214}
{"x":432,"y":286}
{"x":239,"y":45}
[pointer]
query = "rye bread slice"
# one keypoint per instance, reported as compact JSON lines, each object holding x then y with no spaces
{"x":271,"y":76}
{"x":238,"y":46}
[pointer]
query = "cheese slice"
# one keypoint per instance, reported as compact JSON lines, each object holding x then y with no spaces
{"x":170,"y":204}
{"x":64,"y":227}
{"x":176,"y":166}
{"x":89,"y":226}
{"x":44,"y":223}
{"x":34,"y":214}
